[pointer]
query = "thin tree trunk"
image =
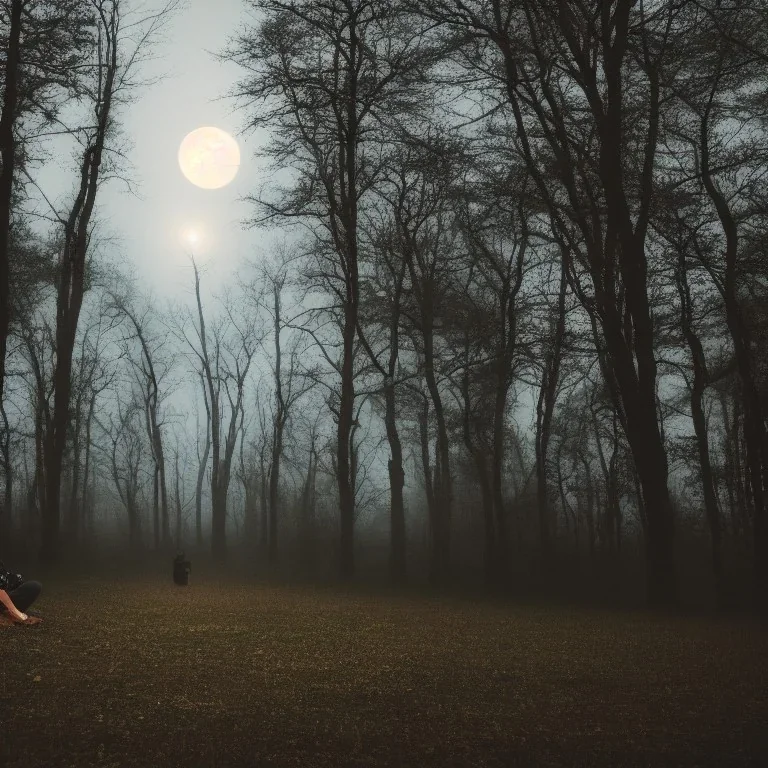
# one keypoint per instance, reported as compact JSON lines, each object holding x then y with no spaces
{"x":544,"y":411}
{"x":6,"y":510}
{"x":730,"y":465}
{"x":755,"y":432}
{"x":429,"y":491}
{"x":491,"y":564}
{"x":441,"y":530}
{"x":277,"y":432}
{"x":589,"y":511}
{"x":165,"y":519}
{"x":156,"y":504}
{"x":700,"y":380}
{"x":201,"y":475}
{"x":87,"y":509}
{"x":74,"y":510}
{"x":274,"y":490}
{"x":8,"y":160}
{"x":307,"y":530}
{"x":264,"y":533}
{"x":343,"y":453}
{"x":396,"y":484}
{"x":70,"y":291}
{"x":178,"y":535}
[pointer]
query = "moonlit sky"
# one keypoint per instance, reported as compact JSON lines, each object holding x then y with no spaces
{"x":146,"y":227}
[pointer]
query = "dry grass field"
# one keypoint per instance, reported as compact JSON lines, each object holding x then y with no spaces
{"x":138,"y":672}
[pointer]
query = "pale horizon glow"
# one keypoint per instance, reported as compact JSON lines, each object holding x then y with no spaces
{"x":209,"y":158}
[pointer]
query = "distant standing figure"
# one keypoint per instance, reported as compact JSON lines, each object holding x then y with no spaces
{"x":16,"y":596}
{"x":181,"y":570}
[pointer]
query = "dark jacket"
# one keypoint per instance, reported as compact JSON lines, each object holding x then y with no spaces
{"x":9,"y":581}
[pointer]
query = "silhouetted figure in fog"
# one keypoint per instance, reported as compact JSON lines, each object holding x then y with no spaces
{"x":181,"y":570}
{"x":16,"y":596}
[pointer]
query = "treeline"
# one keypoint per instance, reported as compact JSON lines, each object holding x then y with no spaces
{"x":521,"y":301}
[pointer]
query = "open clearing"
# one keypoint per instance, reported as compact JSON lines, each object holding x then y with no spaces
{"x":143,"y":673}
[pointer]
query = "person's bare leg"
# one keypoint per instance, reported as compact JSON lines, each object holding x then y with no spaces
{"x":25,"y":594}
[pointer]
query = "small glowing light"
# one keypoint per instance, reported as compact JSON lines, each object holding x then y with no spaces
{"x":191,"y":236}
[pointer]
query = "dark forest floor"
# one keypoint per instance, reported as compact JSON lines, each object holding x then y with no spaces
{"x":139,"y":672}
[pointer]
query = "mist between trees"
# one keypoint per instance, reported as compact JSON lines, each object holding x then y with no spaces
{"x":516,"y":330}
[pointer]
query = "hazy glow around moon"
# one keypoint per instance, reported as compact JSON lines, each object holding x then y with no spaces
{"x":209,"y":157}
{"x":193,"y":240}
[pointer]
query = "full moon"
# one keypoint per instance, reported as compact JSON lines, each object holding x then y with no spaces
{"x":209,"y":157}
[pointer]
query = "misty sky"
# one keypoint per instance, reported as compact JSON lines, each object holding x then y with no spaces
{"x":146,"y":228}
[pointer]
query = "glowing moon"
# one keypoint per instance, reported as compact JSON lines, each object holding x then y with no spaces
{"x":209,"y":157}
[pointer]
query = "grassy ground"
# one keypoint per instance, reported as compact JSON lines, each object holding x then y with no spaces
{"x":143,"y":673}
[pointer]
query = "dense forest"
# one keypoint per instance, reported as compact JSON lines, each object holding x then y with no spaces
{"x":514,"y":331}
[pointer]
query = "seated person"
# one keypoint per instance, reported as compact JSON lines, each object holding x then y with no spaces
{"x":16,"y":596}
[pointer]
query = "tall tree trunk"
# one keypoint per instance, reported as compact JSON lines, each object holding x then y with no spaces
{"x":70,"y":291}
{"x":87,"y":511}
{"x":396,"y":484}
{"x":443,"y":492}
{"x":429,"y":488}
{"x":397,"y":552}
{"x":344,"y":446}
{"x":491,"y":564}
{"x":6,"y":513}
{"x":219,"y":520}
{"x":74,"y":509}
{"x":589,"y":511}
{"x":545,"y":409}
{"x":199,"y":494}
{"x":156,"y":505}
{"x":732,"y":467}
{"x":307,"y":531}
{"x":277,"y":432}
{"x":501,"y":535}
{"x":218,"y":490}
{"x":159,"y":452}
{"x":250,"y":522}
{"x":201,"y":472}
{"x":177,"y":493}
{"x":264,"y":483}
{"x":274,"y":490}
{"x":8,"y":160}
{"x":755,"y":431}
{"x":6,"y":508}
{"x":700,"y":380}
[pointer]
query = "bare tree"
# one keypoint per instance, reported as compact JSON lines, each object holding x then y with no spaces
{"x":383,"y":294}
{"x":112,"y":70}
{"x":730,"y":59}
{"x":327,"y":77}
{"x":590,"y":144}
{"x":224,"y":354}
{"x":151,"y":369}
{"x":44,"y":47}
{"x":289,"y":385}
{"x":93,"y":373}
{"x":124,"y":431}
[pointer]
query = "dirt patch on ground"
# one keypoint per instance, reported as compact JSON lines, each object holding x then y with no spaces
{"x":148,"y":674}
